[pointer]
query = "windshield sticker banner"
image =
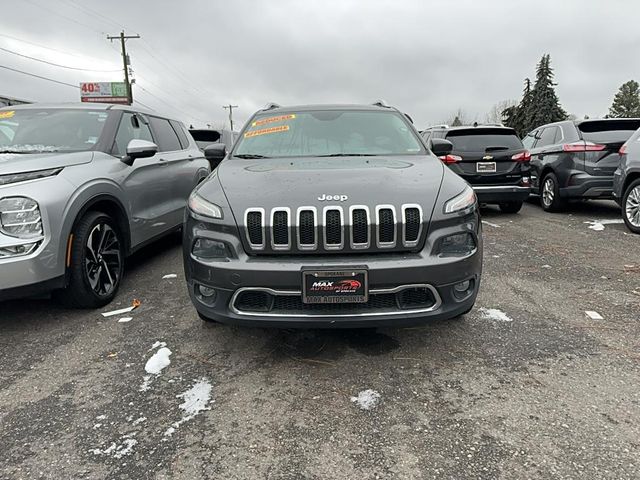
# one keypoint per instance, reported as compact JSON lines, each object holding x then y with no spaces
{"x":265,"y":131}
{"x":266,"y":121}
{"x":7,"y":114}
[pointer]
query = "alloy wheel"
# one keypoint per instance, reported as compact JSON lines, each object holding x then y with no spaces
{"x":632,"y":207}
{"x":548,"y":192}
{"x":103,"y":260}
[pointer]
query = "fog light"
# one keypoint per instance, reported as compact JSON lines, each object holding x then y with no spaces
{"x":525,"y":180}
{"x":462,"y":290}
{"x":207,"y":292}
{"x":457,"y":245}
{"x":207,"y":248}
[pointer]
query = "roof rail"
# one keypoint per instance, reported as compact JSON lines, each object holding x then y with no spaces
{"x":476,"y":124}
{"x":444,"y":125}
{"x":271,"y":106}
{"x":381,"y":103}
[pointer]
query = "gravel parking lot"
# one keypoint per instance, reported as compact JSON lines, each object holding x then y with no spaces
{"x":524,"y":386}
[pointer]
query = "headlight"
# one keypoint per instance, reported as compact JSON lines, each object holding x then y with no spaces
{"x":23,"y":177}
{"x":199,"y":205}
{"x":462,"y":201}
{"x":20,"y":217}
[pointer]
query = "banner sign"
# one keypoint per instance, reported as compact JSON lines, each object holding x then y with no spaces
{"x":103,"y":92}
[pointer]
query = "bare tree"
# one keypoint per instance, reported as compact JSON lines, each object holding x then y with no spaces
{"x":494,"y":115}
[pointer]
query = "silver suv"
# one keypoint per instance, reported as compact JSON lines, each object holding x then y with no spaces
{"x":82,"y":187}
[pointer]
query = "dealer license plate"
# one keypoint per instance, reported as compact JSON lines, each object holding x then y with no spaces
{"x":486,"y":167}
{"x":335,"y":286}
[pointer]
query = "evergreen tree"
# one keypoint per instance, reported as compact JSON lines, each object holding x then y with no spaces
{"x":626,"y":103}
{"x":456,"y":122}
{"x":519,"y":117}
{"x":545,"y":107}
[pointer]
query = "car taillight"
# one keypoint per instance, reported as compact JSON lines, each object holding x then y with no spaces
{"x":522,"y":156}
{"x":449,"y":159}
{"x":623,"y":150}
{"x":582,"y":147}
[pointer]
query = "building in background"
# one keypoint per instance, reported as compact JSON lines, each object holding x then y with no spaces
{"x":8,"y":101}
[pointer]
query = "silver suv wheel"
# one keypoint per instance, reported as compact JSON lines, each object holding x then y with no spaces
{"x":632,"y":206}
{"x":103,"y":262}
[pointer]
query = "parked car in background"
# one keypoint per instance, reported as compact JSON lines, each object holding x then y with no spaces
{"x":351,"y":222}
{"x":83,"y":186}
{"x":491,"y":158}
{"x":205,"y":137}
{"x":576,"y":159}
{"x":626,"y":182}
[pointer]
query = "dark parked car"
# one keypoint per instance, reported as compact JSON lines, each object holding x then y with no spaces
{"x":576,"y":159}
{"x":491,"y":158}
{"x":626,"y":182}
{"x":205,"y":137}
{"x":332,"y":216}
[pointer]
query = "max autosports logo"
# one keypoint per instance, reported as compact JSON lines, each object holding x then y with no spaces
{"x":343,"y":286}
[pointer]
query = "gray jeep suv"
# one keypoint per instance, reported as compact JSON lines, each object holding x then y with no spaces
{"x":332,"y":216}
{"x":83,"y":186}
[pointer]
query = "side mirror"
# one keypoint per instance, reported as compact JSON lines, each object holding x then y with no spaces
{"x":139,"y":149}
{"x":215,"y":153}
{"x":441,"y":147}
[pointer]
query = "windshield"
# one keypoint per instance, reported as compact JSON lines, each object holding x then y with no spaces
{"x":328,"y":133}
{"x":50,"y":130}
{"x":478,"y":140}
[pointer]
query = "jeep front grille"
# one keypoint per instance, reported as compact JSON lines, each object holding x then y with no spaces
{"x":334,"y":228}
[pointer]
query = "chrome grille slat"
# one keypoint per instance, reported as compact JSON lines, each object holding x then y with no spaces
{"x":334,"y":228}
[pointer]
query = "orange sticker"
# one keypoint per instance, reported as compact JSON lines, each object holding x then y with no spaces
{"x":264,"y":131}
{"x":8,"y":114}
{"x":266,"y":121}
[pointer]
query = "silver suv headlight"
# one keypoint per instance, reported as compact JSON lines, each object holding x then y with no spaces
{"x":26,"y":176}
{"x":461,"y":201}
{"x":20,"y":217}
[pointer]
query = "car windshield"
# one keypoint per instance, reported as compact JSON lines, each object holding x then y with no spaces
{"x":482,"y":140}
{"x":50,"y":130}
{"x":328,"y":133}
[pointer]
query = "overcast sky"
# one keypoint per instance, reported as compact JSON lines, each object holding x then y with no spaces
{"x":427,"y":57}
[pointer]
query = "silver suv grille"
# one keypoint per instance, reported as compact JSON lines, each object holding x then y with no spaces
{"x":334,"y":228}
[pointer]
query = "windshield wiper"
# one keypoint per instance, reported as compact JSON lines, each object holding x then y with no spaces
{"x":250,"y":155}
{"x":348,"y":155}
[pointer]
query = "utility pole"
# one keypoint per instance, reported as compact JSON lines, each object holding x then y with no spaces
{"x":230,"y":107}
{"x":125,"y":60}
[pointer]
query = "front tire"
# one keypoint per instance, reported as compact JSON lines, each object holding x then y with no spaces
{"x":97,"y":262}
{"x":631,"y":206}
{"x":550,"y":194}
{"x":510,"y":207}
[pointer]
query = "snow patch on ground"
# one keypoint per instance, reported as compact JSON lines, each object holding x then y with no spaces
{"x":158,"y":361}
{"x":125,"y":319}
{"x":495,"y":314}
{"x":367,"y":399}
{"x":196,"y":400}
{"x":156,"y":345}
{"x":138,"y":421}
{"x":494,"y":225}
{"x":116,"y":450}
{"x":170,"y":275}
{"x":593,"y":315}
{"x":598,"y":225}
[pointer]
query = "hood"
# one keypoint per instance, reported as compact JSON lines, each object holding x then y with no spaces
{"x":297,"y":182}
{"x":28,"y":162}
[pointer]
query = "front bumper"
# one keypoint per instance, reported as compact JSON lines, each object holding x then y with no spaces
{"x":501,"y":193}
{"x":283,"y":274}
{"x":583,"y":185}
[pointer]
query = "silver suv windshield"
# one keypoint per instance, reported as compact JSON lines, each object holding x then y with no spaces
{"x":328,"y":133}
{"x":50,"y":130}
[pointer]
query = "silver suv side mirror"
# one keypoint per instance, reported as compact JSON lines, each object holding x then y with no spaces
{"x":139,"y":149}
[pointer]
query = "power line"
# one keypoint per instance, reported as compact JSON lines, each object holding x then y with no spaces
{"x":40,"y":76}
{"x":173,"y":107}
{"x":54,"y":64}
{"x":41,"y":46}
{"x":37,"y":5}
{"x":94,"y":13}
